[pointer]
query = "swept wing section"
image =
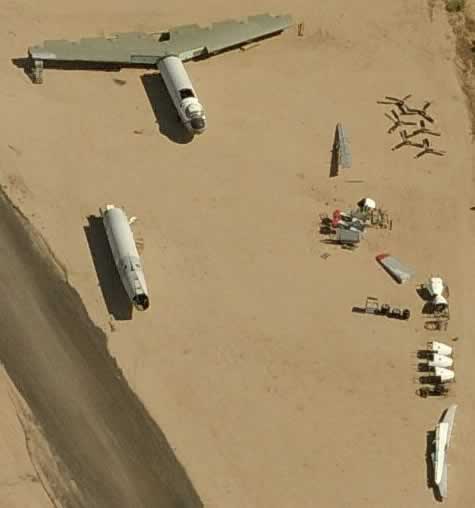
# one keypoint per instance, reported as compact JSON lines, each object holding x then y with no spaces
{"x":186,"y":42}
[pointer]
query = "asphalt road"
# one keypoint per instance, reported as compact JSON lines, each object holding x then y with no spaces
{"x":58,"y":360}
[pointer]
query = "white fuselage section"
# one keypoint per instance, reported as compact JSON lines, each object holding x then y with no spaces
{"x":183,"y":94}
{"x":125,"y":254}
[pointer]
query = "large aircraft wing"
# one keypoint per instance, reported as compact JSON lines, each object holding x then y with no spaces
{"x":186,"y":42}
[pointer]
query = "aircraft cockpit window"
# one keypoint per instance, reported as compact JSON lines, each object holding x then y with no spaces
{"x":185,"y":93}
{"x":165,"y":36}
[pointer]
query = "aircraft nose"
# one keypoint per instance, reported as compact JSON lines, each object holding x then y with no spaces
{"x":198,"y":125}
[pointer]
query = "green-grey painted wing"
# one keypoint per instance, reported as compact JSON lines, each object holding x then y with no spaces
{"x":186,"y":42}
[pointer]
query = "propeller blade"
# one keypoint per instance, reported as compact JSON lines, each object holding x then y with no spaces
{"x":394,"y":99}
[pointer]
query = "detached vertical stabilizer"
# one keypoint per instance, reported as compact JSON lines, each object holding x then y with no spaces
{"x":443,"y":433}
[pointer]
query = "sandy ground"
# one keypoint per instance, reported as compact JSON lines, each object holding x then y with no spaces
{"x":104,"y":449}
{"x":270,"y":391}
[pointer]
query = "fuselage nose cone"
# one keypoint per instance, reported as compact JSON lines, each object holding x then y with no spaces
{"x":198,"y":125}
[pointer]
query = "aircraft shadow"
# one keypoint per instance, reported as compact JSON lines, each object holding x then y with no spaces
{"x":334,"y":157}
{"x":423,"y":293}
{"x":164,"y":110}
{"x":113,"y":292}
{"x":430,"y":436}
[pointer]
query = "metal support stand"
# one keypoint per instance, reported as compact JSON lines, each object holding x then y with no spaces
{"x":37,"y":72}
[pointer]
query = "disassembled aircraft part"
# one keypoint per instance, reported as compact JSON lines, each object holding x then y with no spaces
{"x":444,"y":374}
{"x":380,"y":218}
{"x":182,"y":93}
{"x":438,"y":293}
{"x":435,"y":391}
{"x":427,"y":149}
{"x":397,"y":122}
{"x":350,"y":236}
{"x":422,"y":112}
{"x":440,"y":361}
{"x":440,"y":348}
{"x":395,"y":100}
{"x":366,"y":204}
{"x":399,"y":272}
{"x":422,"y":130}
{"x":439,"y":324}
{"x":443,"y":433}
{"x":406,"y":141}
{"x":126,"y":256}
{"x":397,"y":313}
{"x":372,"y":307}
{"x":404,"y":109}
{"x":347,"y":221}
{"x":341,"y":148}
{"x":187,"y":42}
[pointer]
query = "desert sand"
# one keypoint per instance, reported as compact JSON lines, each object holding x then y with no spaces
{"x":270,"y":391}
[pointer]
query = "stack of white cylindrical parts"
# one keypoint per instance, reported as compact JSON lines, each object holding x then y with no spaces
{"x":441,"y":360}
{"x":438,"y":347}
{"x":444,"y":374}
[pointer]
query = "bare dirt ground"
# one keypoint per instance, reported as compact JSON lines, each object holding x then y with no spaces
{"x":270,"y":391}
{"x":104,"y":449}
